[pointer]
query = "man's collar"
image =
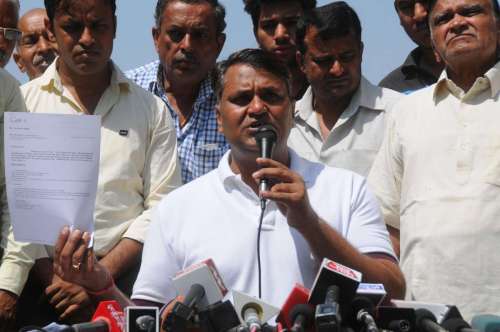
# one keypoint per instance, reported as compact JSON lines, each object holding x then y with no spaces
{"x":414,"y":64}
{"x":444,"y":83}
{"x":52,"y":79}
{"x":367,"y":95}
{"x":205,"y":91}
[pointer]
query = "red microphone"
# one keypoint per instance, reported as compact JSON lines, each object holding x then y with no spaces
{"x":112,"y":314}
{"x":298,"y":295}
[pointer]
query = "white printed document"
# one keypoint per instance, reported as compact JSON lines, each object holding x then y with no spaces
{"x":51,"y":171}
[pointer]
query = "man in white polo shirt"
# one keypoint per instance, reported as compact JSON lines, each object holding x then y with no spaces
{"x":313,"y":211}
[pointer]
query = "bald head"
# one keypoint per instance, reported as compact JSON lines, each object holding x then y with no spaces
{"x":36,"y":48}
{"x":9,"y":14}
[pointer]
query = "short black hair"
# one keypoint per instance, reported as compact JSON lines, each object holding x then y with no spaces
{"x":220,"y":12}
{"x":255,"y":58}
{"x":494,"y":3}
{"x":334,"y":20}
{"x":51,"y":6}
{"x":252,"y":7}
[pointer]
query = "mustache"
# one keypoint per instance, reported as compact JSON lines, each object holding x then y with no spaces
{"x":48,"y":58}
{"x":188,"y":57}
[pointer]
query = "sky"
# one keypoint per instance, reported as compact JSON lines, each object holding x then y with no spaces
{"x":386,"y":44}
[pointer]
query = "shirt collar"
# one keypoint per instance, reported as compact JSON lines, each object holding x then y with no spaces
{"x":491,"y":77}
{"x":298,"y":164}
{"x":367,"y":96}
{"x":205,"y":91}
{"x":51,"y":78}
{"x":413,"y":64}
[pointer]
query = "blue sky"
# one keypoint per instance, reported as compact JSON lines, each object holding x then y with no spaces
{"x":386,"y":44}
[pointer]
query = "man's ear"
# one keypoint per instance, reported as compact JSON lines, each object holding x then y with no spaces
{"x":221,"y":39}
{"x":19,"y":62}
{"x":299,"y":58}
{"x":219,"y":118}
{"x":155,"y":32}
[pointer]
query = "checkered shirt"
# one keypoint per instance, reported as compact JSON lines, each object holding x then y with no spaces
{"x":199,"y":145}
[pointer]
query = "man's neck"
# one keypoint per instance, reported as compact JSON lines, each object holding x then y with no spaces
{"x":181,"y":96}
{"x":329,"y":111}
{"x":299,"y":82}
{"x":428,"y":59}
{"x":245,"y":164}
{"x":465,"y":75}
{"x":86,"y":89}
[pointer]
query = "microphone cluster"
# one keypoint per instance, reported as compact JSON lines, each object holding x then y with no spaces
{"x":337,"y":302}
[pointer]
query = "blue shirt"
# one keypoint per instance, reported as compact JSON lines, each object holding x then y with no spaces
{"x":200,"y":146}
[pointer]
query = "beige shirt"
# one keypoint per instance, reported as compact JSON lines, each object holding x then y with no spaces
{"x":17,"y":258}
{"x":138,"y":164}
{"x":354,"y":140}
{"x":437,"y":177}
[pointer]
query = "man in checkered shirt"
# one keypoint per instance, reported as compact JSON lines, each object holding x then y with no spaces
{"x":188,"y":37}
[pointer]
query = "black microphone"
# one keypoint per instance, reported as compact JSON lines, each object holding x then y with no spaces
{"x":97,"y":326}
{"x":328,"y":313}
{"x":426,"y":321}
{"x":363,"y":312}
{"x":457,"y":325}
{"x":183,"y":312}
{"x":301,"y":317}
{"x":266,"y":137}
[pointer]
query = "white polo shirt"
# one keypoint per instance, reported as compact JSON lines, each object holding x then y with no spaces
{"x":216,"y":216}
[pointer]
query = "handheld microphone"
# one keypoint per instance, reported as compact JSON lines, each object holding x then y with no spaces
{"x":253,"y":312}
{"x":363,"y":312}
{"x":457,"y":325}
{"x":266,"y":137}
{"x":327,"y":316}
{"x":99,"y":325}
{"x":486,"y":323}
{"x":302,"y":317}
{"x":183,"y":312}
{"x":206,"y":275}
{"x":298,"y":295}
{"x":426,"y":321}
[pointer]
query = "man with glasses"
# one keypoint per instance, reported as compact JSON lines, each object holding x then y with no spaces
{"x":36,"y":48}
{"x":9,"y":15}
{"x":420,"y":68}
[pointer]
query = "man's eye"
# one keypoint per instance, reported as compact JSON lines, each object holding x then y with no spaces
{"x":176,"y":35}
{"x":241,"y":99}
{"x":472,"y":11}
{"x":201,"y":34}
{"x":71,"y":27}
{"x":322,"y":61}
{"x":28,"y":41}
{"x":268,"y":26}
{"x":347,"y":57}
{"x":271,"y":97}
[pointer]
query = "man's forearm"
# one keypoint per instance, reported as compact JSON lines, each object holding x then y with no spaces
{"x":122,"y":257}
{"x":324,"y":241}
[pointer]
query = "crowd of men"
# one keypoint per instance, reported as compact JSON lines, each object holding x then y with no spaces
{"x":399,"y":181}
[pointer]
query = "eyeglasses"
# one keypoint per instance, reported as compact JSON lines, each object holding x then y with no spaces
{"x":10,"y":34}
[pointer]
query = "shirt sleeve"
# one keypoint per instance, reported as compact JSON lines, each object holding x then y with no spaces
{"x":18,"y":258}
{"x":161,"y":170}
{"x":367,"y":231}
{"x":386,"y":174}
{"x":159,"y":265}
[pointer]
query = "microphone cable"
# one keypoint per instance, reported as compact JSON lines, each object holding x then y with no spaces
{"x":259,"y":268}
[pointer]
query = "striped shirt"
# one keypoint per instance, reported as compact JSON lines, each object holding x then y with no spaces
{"x":199,"y":145}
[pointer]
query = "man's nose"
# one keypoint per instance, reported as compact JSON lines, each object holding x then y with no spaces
{"x":281,"y":32}
{"x":458,"y":24}
{"x":43,"y":45}
{"x":257,"y":106}
{"x":187,"y":42}
{"x":337,"y":69}
{"x":87,"y":37}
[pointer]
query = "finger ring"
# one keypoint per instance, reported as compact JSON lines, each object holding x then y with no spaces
{"x":77,"y":266}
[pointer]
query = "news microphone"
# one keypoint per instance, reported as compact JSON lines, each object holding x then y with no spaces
{"x":183,"y":312}
{"x":457,"y":325}
{"x":298,"y":295}
{"x":327,"y":316}
{"x":441,"y":311}
{"x":99,"y":325}
{"x":218,"y":317}
{"x":302,"y":317}
{"x":206,"y":275}
{"x":266,"y":137}
{"x":111,"y":313}
{"x":426,"y":321}
{"x":332,"y":273}
{"x":486,"y":323}
{"x":253,"y":312}
{"x":374,"y":292}
{"x":396,"y":319}
{"x":363,"y":312}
